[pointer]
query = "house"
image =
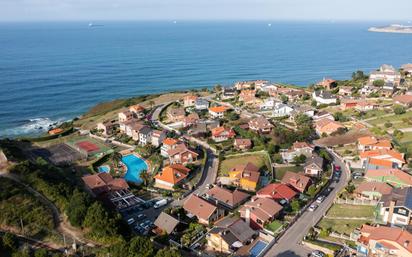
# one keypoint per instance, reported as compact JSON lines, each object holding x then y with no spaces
{"x":137,"y":110}
{"x":297,"y":181}
{"x":292,"y":93}
{"x":368,"y":143}
{"x":394,"y":177}
{"x":218,"y":111}
{"x":205,"y":212}
{"x":225,"y":197}
{"x":387,"y":73}
{"x":201,"y":104}
{"x":281,"y":110}
{"x":171,"y":176}
{"x":268,"y":104}
{"x":182,"y":154}
{"x":189,"y":100}
{"x":327,"y":83}
{"x":221,"y":134}
{"x":367,"y":90}
{"x":191,"y":119}
{"x":242,"y":85}
{"x":103,"y":183}
{"x":407,"y":69}
{"x":346,"y":104}
{"x":228,"y":93}
{"x":345,"y":91}
{"x":145,"y":135}
{"x":269,"y":87}
{"x":301,"y":109}
{"x":246,"y":176}
{"x":252,"y":101}
{"x":132,"y":129}
{"x":314,"y":166}
{"x":125,"y":116}
{"x":176,"y":114}
{"x":396,"y":207}
{"x":297,"y":149}
{"x":365,"y":106}
{"x":55,"y":131}
{"x":374,"y":159}
{"x":166,"y":223}
{"x":279,"y":192}
{"x":168,"y":144}
{"x":260,"y":125}
{"x":229,"y":234}
{"x":327,"y":126}
{"x":372,"y":190}
{"x":324,"y":97}
{"x":384,"y":241}
{"x":323,"y":115}
{"x":157,"y":137}
{"x":198,"y":130}
{"x":260,"y":211}
{"x":405,"y":100}
{"x":108,"y":127}
{"x":246,"y":94}
{"x":242,"y":144}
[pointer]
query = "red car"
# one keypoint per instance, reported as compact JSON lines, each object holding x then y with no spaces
{"x":337,"y":168}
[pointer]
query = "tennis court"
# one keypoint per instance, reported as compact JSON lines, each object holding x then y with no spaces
{"x":87,"y":146}
{"x":60,"y":154}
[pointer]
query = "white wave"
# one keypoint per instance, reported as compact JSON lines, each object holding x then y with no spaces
{"x":31,"y":127}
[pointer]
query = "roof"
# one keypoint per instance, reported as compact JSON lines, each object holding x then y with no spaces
{"x":277,"y":191}
{"x":324,"y":94}
{"x":401,"y":197}
{"x":236,"y":226}
{"x":136,"y":108}
{"x":248,"y":170}
{"x":176,"y":112}
{"x":381,"y":163}
{"x":226,"y":196}
{"x":405,"y":99}
{"x":262,"y":208}
{"x":166,"y":222}
{"x":321,"y":124}
{"x":218,"y":108}
{"x":243,"y":141}
{"x":315,"y":160}
{"x":296,"y":180}
{"x":181,"y":149}
{"x":170,"y":141}
{"x":401,"y":237}
{"x":190,"y":97}
{"x":104,"y":182}
{"x":368,"y":140}
{"x":199,"y":207}
{"x":299,"y":145}
{"x":220,"y":130}
{"x":173,"y":174}
{"x":373,"y":186}
{"x":383,"y":154}
{"x":260,"y":122}
{"x":401,"y":175}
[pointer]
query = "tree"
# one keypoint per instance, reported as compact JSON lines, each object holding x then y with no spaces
{"x":302,"y":119}
{"x":339,"y":116}
{"x":10,"y":241}
{"x":295,"y":205}
{"x":145,"y":177}
{"x":117,"y":158}
{"x":218,"y":88}
{"x":299,"y":159}
{"x":272,"y":149}
{"x":325,"y":155}
{"x":358,"y":75}
{"x":167,"y":252}
{"x":378,"y":83}
{"x":350,"y":188}
{"x":140,"y":247}
{"x":284,"y":98}
{"x":232,"y":116}
{"x":77,"y":208}
{"x":41,"y":253}
{"x":399,"y":109}
{"x":313,"y":103}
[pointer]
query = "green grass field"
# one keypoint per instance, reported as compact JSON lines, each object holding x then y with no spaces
{"x":341,"y":226}
{"x":280,"y":172}
{"x":274,"y":226}
{"x":259,"y":160}
{"x":392,"y":118}
{"x":346,"y":210}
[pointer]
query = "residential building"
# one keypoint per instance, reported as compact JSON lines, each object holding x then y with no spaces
{"x":198,"y":130}
{"x":137,"y":110}
{"x":225,"y":197}
{"x":145,"y":135}
{"x":384,"y":241}
{"x":191,"y":119}
{"x":246,"y":94}
{"x":205,"y":212}
{"x":396,"y":207}
{"x":246,"y":176}
{"x":407,"y":69}
{"x":365,"y":106}
{"x":324,"y":97}
{"x":297,"y":149}
{"x":368,"y":143}
{"x":268,"y":104}
{"x":260,"y":211}
{"x":218,"y":111}
{"x":260,"y":125}
{"x":103,"y":183}
{"x":297,"y":181}
{"x":189,"y":100}
{"x":345,"y":91}
{"x":279,"y":192}
{"x":405,"y":100}
{"x":171,"y":176}
{"x":242,"y":144}
{"x":327,"y":83}
{"x":221,"y":134}
{"x":168,"y":144}
{"x":382,"y":158}
{"x":314,"y":166}
{"x":282,"y":110}
{"x":323,"y":115}
{"x":327,"y":126}
{"x":228,"y":93}
{"x":201,"y":104}
{"x":269,"y":87}
{"x":125,"y":116}
{"x":166,"y":223}
{"x":372,"y":190}
{"x":394,"y":177}
{"x":157,"y":137}
{"x":229,"y":234}
{"x":182,"y":154}
{"x":176,"y":114}
{"x":367,"y":90}
{"x":387,"y":73}
{"x":107,"y":128}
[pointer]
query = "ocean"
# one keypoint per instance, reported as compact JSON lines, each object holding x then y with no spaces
{"x":51,"y":72}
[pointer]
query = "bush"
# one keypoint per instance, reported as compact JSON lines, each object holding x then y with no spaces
{"x":399,"y":109}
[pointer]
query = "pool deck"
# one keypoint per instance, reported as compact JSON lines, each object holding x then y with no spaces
{"x":124,"y":166}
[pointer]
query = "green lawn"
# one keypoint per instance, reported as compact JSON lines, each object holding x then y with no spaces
{"x":392,"y":118}
{"x":274,"y":226}
{"x":346,"y":210}
{"x":257,"y":159}
{"x":373,"y":113}
{"x":280,"y":172}
{"x":341,"y":226}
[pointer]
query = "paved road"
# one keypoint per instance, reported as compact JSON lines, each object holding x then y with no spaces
{"x":289,"y":244}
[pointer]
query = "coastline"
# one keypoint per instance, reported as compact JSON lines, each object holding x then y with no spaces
{"x":398,"y":30}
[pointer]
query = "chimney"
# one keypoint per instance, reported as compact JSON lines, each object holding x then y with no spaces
{"x":406,"y":243}
{"x":247,"y":216}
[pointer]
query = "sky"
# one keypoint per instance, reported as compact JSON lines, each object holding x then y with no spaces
{"x":41,"y":10}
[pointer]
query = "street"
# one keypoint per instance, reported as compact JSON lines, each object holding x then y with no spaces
{"x":289,"y":245}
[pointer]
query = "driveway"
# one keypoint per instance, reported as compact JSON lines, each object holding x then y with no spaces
{"x":289,"y":245}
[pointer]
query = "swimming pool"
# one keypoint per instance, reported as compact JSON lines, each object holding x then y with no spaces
{"x":257,"y":248}
{"x":104,"y":169}
{"x":135,"y":166}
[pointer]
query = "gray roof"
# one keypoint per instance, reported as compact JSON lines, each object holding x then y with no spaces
{"x":166,"y":222}
{"x":145,"y":130}
{"x":201,"y":101}
{"x":325,"y":94}
{"x":402,"y":197}
{"x":236,"y":227}
{"x":314,"y":160}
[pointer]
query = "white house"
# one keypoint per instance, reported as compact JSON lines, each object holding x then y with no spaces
{"x":218,"y":111}
{"x":324,"y":97}
{"x":282,"y":110}
{"x":386,"y":73}
{"x":157,"y":137}
{"x":268,"y":104}
{"x":201,"y":104}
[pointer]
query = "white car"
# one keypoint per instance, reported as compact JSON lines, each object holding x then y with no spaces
{"x":312,"y":207}
{"x":130,"y":221}
{"x":317,"y":253}
{"x":320,"y":199}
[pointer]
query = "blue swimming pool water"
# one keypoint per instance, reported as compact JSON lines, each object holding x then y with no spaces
{"x":135,"y":166}
{"x":104,"y":169}
{"x":257,"y":248}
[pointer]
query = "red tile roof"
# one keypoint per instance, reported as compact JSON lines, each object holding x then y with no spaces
{"x":199,"y":207}
{"x":277,"y":191}
{"x":394,"y":237}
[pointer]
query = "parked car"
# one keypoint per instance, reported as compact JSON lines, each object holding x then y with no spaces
{"x":160,"y":203}
{"x":337,"y":168}
{"x":317,"y":253}
{"x":312,"y":207}
{"x":141,"y":216}
{"x":320,"y":199}
{"x":130,"y":221}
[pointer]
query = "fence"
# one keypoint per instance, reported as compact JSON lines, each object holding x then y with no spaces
{"x":356,"y":201}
